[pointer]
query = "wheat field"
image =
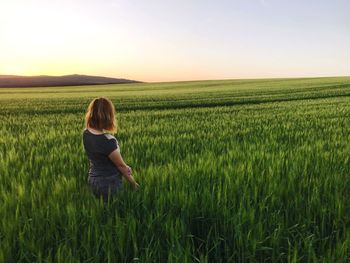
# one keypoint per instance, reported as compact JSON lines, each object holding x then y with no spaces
{"x":229,"y":171}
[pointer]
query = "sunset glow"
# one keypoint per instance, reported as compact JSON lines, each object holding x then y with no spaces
{"x":175,"y":40}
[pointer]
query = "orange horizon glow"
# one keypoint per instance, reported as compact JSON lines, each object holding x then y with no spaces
{"x":151,"y":42}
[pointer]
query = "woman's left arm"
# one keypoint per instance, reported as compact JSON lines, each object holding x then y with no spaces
{"x":117,"y":159}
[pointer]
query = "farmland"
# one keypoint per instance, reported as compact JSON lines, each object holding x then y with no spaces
{"x":230,"y":170}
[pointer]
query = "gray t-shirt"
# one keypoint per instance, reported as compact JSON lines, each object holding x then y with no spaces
{"x":97,"y":148}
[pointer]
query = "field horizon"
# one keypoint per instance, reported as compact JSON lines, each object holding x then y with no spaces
{"x":148,"y":82}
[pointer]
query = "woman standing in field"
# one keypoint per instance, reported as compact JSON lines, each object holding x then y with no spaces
{"x":107,"y":166}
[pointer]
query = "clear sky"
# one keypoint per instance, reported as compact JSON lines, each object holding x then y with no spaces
{"x":163,"y":40}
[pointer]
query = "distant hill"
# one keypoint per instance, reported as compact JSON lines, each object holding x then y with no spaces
{"x":9,"y":81}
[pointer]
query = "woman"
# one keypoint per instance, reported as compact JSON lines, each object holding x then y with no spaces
{"x":107,"y":166}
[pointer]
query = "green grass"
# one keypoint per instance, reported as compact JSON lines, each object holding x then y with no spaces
{"x":232,"y":170}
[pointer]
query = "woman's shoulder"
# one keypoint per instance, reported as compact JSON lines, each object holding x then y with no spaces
{"x":99,"y":137}
{"x":111,"y":142}
{"x":85,"y":133}
{"x":109,"y":136}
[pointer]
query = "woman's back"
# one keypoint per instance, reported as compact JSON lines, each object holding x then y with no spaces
{"x":104,"y":177}
{"x":98,"y":147}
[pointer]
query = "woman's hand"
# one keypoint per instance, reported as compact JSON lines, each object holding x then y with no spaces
{"x":136,"y":186}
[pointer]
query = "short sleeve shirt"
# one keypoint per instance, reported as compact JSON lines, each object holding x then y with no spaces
{"x":97,"y":148}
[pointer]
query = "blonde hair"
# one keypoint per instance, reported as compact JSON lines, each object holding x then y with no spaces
{"x":100,"y":115}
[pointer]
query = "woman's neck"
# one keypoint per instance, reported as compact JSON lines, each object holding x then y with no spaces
{"x":95,"y":131}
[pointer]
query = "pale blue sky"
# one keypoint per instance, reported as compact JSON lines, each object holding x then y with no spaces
{"x":175,"y":40}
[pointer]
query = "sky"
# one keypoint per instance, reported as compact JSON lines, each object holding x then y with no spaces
{"x":164,"y":40}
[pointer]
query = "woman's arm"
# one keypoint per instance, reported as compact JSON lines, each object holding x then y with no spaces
{"x":117,"y":159}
